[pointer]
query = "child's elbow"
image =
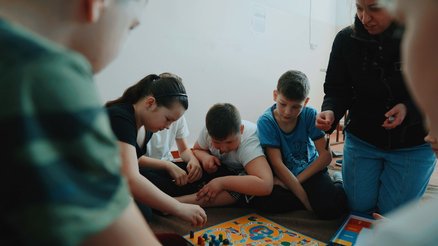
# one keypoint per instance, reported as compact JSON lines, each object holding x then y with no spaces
{"x":266,"y":188}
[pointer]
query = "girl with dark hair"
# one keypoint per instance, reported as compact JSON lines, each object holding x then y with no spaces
{"x":151,"y":104}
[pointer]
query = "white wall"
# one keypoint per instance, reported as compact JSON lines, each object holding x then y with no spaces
{"x":345,"y":11}
{"x":227,"y":50}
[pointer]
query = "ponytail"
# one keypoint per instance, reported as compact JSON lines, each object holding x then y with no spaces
{"x":167,"y":88}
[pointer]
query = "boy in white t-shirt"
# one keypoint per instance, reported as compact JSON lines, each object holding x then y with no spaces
{"x":161,"y":143}
{"x":159,"y":157}
{"x":175,"y":177}
{"x":230,"y":153}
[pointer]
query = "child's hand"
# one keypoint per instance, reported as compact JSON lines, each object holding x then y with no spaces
{"x":211,"y":164}
{"x":209,"y":191}
{"x":194,"y":170}
{"x":178,"y":174}
{"x":299,"y":192}
{"x":324,"y":120}
{"x":191,"y":213}
{"x":395,"y":116}
{"x":277,"y":181}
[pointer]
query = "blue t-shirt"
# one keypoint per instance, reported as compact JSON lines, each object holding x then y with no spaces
{"x":297,"y":148}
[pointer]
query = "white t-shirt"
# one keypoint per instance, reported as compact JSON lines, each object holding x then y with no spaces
{"x":415,"y":224}
{"x":161,"y":143}
{"x":248,"y":150}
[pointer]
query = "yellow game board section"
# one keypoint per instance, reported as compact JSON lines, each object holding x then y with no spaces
{"x":251,"y":229}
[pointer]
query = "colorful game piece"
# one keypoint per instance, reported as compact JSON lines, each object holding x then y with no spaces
{"x":221,"y":238}
{"x":226,"y":242}
{"x":192,"y":234}
{"x":391,"y":119}
{"x":199,"y":240}
{"x":252,"y":218}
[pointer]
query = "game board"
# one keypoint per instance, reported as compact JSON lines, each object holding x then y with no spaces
{"x":354,"y":231}
{"x":253,"y":229}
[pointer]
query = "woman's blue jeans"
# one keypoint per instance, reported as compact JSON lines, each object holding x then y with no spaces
{"x":378,"y":180}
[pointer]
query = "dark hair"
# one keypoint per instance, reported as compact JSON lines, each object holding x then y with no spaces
{"x":294,"y":85}
{"x":167,"y":89}
{"x":222,"y":120}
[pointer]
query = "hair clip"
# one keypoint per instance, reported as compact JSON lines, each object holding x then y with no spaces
{"x":172,"y":95}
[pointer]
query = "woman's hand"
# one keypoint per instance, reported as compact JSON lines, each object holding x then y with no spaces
{"x":324,"y":120}
{"x":395,"y":116}
{"x":377,"y":216}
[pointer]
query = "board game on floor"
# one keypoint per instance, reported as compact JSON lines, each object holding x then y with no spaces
{"x":249,"y":230}
{"x":355,"y":230}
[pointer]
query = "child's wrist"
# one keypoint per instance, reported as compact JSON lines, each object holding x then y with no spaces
{"x":169,"y":165}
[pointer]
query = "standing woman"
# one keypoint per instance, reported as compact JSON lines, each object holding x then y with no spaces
{"x":386,"y":161}
{"x":153,"y":103}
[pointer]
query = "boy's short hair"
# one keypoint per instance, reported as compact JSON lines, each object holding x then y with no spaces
{"x":222,"y":120}
{"x":294,"y":85}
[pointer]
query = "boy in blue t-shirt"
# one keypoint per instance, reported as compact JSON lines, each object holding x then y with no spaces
{"x":297,"y":152}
